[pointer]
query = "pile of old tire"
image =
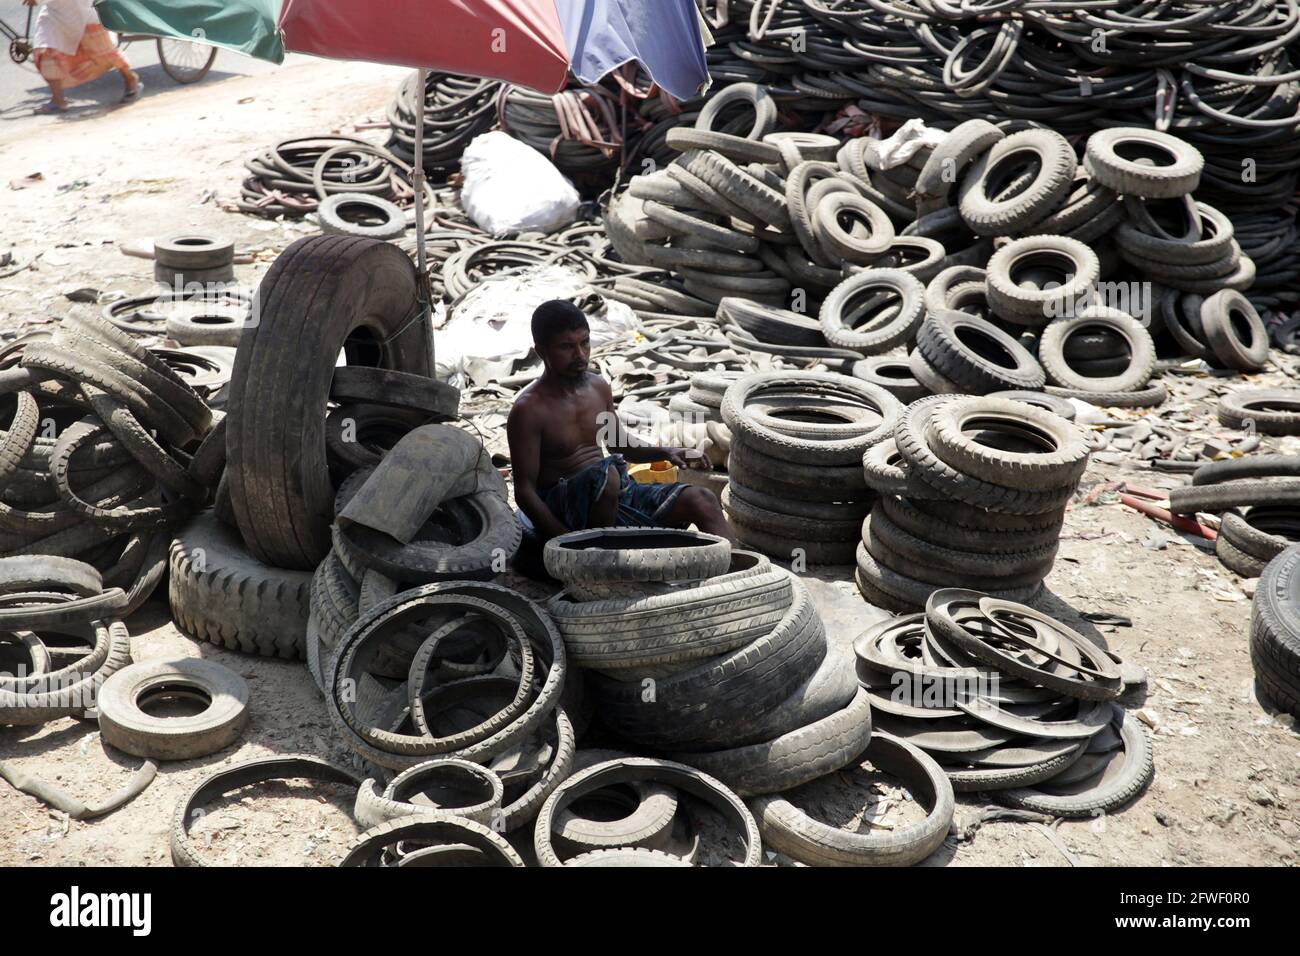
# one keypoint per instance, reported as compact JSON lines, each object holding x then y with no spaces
{"x":1224,"y":328}
{"x":796,"y":488}
{"x":726,"y":667}
{"x":1258,"y":500}
{"x":456,"y":109}
{"x":443,"y":482}
{"x":95,"y":459}
{"x":294,"y":177}
{"x":759,"y":217}
{"x":459,"y":670}
{"x":324,"y":295}
{"x":1275,"y":632}
{"x":241,"y":575}
{"x":193,"y":259}
{"x":972,"y":494}
{"x":1008,"y":701}
{"x":62,"y":638}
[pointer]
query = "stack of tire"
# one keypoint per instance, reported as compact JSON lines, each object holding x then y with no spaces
{"x":117,"y":474}
{"x":484,"y":679}
{"x":1275,"y":632}
{"x":972,"y":494}
{"x":967,"y":682}
{"x":63,"y":638}
{"x":1258,"y":500}
{"x":193,"y":259}
{"x":796,"y":487}
{"x":241,"y":575}
{"x":711,"y":653}
{"x":468,"y":533}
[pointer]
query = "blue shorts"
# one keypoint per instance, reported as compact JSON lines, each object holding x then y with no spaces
{"x":646,"y":506}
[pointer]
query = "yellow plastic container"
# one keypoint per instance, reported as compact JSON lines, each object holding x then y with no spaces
{"x":653,"y":473}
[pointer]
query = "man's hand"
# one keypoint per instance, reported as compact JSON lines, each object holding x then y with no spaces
{"x":688,"y":458}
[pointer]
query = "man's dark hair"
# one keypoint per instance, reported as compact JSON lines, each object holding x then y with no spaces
{"x":555,"y":318}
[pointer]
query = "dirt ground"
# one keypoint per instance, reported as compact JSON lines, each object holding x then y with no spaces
{"x":1227,"y":784}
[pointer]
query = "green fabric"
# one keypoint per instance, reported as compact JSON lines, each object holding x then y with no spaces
{"x":245,"y":26}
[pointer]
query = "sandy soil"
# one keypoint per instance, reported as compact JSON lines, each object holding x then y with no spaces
{"x":1227,"y":785}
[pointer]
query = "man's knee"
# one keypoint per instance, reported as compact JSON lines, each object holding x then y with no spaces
{"x":700,"y":503}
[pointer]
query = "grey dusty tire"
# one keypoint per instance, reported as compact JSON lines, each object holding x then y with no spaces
{"x":1275,"y":632}
{"x":632,"y":770}
{"x":1273,"y":411}
{"x":1234,"y":331}
{"x":960,"y":147}
{"x":1260,"y":534}
{"x":1141,"y":351}
{"x":875,"y":336}
{"x":1143,"y":162}
{"x":221,"y":594}
{"x":1153,"y":395}
{"x":1130,"y":772}
{"x":369,"y":849}
{"x":789,"y":830}
{"x":914,"y":442}
{"x":381,"y":219}
{"x":814,"y":444}
{"x":988,"y":213}
{"x":1014,"y":290}
{"x":698,"y":707}
{"x":1235,"y":560}
{"x":677,"y":626}
{"x":976,"y":355}
{"x":124,"y":725}
{"x":69,"y":691}
{"x":471,"y":791}
{"x":891,"y":373}
{"x":1046,"y":450}
{"x":1235,"y":494}
{"x":244,"y":774}
{"x":188,"y":251}
{"x":218,"y":328}
{"x":794,"y":758}
{"x":322,"y":292}
{"x":647,"y":811}
{"x":589,"y":561}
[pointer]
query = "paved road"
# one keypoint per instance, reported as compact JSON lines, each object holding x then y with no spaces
{"x":22,"y":89}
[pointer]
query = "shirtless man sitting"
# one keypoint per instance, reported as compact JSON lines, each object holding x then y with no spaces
{"x":563,"y":480}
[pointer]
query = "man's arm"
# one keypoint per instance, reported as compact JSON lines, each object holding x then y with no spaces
{"x":634,"y":449}
{"x":526,"y":460}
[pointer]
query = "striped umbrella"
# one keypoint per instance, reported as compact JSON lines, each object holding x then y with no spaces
{"x":533,"y":43}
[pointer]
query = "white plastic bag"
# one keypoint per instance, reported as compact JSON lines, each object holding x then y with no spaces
{"x":511,"y":187}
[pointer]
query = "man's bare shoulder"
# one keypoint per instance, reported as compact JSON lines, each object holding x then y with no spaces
{"x":527,"y":405}
{"x":600,"y":385}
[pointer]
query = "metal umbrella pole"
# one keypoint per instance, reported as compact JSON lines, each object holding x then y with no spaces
{"x":417,"y":183}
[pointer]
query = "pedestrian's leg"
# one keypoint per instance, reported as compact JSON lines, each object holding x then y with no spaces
{"x":56,"y":94}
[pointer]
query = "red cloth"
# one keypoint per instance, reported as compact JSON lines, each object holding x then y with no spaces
{"x":520,"y":41}
{"x":96,"y":55}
